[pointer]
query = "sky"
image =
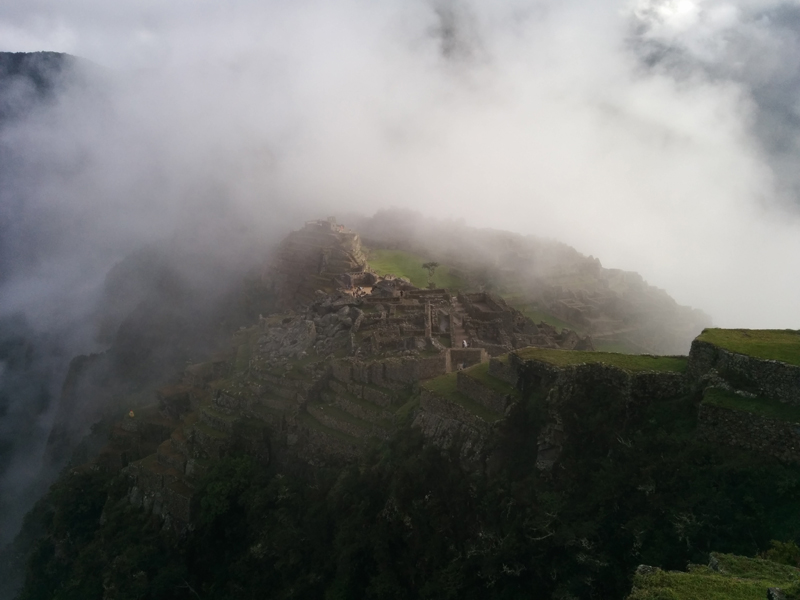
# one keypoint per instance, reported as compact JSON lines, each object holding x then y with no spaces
{"x":662,"y":136}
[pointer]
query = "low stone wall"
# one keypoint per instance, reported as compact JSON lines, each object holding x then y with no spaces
{"x":769,"y":378}
{"x":486,"y":397}
{"x":432,"y":366}
{"x":718,"y":425}
{"x":468,"y":356}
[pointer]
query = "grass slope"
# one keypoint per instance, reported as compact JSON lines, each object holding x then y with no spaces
{"x":765,"y":407}
{"x":627,"y":362}
{"x":739,"y":578}
{"x":771,"y":344}
{"x":405,"y":264}
{"x":446,"y":387}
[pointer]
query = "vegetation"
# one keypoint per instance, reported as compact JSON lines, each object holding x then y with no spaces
{"x":411,"y":266}
{"x":628,"y":362}
{"x":764,"y":407}
{"x":431,"y":268}
{"x":446,"y":387}
{"x":772,"y":344}
{"x":733,"y":578}
{"x":409,"y":521}
{"x":481,"y":373}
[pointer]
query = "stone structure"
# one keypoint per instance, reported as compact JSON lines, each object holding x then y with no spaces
{"x":310,"y":259}
{"x":761,"y":377}
{"x":725,"y":426}
{"x":758,"y":379}
{"x":314,"y":382}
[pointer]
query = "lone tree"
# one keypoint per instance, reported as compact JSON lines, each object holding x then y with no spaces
{"x":431,"y":267}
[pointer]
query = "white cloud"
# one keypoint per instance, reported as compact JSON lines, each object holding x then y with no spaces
{"x":546,"y":120}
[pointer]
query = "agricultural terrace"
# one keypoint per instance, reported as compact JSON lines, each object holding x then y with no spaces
{"x":763,"y":407}
{"x":770,"y":344}
{"x":626,"y":362}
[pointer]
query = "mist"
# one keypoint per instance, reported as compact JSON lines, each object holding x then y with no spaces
{"x":661,"y":136}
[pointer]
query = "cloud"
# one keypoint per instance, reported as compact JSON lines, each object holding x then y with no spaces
{"x":658,"y":134}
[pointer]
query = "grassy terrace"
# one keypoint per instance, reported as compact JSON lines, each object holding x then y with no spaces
{"x":764,"y":407}
{"x":481,"y":374}
{"x":405,"y":264}
{"x":627,"y":362}
{"x":772,"y":344}
{"x":445,"y":386}
{"x":739,"y":579}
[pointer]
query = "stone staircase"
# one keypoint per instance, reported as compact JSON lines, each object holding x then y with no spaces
{"x":457,"y":332}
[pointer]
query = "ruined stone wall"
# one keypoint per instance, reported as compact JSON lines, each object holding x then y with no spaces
{"x":718,"y":425}
{"x":762,"y":377}
{"x":468,"y":356}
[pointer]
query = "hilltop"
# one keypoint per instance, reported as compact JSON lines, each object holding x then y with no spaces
{"x":546,"y":280}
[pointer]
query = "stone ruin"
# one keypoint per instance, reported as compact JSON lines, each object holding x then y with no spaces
{"x":337,"y":366}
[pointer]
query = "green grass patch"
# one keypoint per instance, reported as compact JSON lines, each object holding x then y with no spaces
{"x":771,"y":344}
{"x":481,"y":374}
{"x":627,"y":362}
{"x":446,"y":387}
{"x":764,"y":407}
{"x":405,"y":264}
{"x":738,"y":579}
{"x":613,"y":346}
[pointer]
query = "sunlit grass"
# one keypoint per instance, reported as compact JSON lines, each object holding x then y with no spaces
{"x":765,"y":407}
{"x":739,"y":578}
{"x":627,"y":362}
{"x":406,"y":264}
{"x":771,"y":344}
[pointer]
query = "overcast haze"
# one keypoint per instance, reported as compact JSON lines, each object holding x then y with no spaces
{"x":661,"y":136}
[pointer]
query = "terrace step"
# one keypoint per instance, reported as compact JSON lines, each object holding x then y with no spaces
{"x":217,"y":420}
{"x":477,"y":384}
{"x":442,"y":393}
{"x":180,"y":443}
{"x":275,"y":403}
{"x":358,"y":407}
{"x":211,"y":442}
{"x":169,"y":457}
{"x":335,"y":418}
{"x":326,"y":440}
